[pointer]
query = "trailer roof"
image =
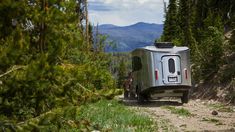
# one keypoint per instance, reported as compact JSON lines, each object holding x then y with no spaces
{"x":155,"y":49}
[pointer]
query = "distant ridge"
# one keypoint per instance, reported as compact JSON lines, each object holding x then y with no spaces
{"x":104,"y":26}
{"x":128,"y":38}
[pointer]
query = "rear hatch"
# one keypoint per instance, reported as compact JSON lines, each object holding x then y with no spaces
{"x":171,"y":69}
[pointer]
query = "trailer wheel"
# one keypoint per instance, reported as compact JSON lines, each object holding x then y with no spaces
{"x":126,"y":93}
{"x":185,"y":97}
{"x":132,"y":95}
{"x":140,"y":97}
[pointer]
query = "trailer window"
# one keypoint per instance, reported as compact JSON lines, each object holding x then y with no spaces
{"x":171,"y":65}
{"x":136,"y":63}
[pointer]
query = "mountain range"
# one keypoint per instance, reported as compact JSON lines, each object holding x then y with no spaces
{"x":128,"y":38}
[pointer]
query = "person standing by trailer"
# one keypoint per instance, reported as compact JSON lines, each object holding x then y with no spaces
{"x":162,"y":70}
{"x":128,"y":87}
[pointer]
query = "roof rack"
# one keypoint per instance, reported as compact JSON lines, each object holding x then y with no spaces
{"x":164,"y":44}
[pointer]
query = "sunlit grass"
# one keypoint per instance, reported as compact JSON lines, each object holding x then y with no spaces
{"x":111,"y":115}
{"x":221,"y":107}
{"x":178,"y":111}
{"x":212,"y":120}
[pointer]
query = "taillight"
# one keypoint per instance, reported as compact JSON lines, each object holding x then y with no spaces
{"x":186,"y":73}
{"x":156,"y":74}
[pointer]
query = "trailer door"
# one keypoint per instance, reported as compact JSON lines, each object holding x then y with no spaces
{"x":171,"y":69}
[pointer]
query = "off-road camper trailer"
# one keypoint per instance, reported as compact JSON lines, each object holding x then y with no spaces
{"x":162,"y":70}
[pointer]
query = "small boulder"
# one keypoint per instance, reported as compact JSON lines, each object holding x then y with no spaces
{"x":214,"y":112}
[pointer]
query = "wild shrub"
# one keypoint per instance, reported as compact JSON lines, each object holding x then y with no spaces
{"x":43,"y":63}
{"x":208,"y":54}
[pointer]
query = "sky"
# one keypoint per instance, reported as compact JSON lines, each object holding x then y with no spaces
{"x":126,"y":12}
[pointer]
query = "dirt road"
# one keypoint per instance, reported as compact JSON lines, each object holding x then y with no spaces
{"x":197,"y":115}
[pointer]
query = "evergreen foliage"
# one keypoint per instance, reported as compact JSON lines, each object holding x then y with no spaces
{"x":45,"y":63}
{"x":200,"y":25}
{"x":185,"y":21}
{"x":170,"y":31}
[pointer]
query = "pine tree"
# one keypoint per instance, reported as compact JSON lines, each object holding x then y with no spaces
{"x":87,"y":27}
{"x":80,"y":10}
{"x":35,"y":35}
{"x":83,"y":23}
{"x":200,"y":14}
{"x":171,"y":28}
{"x":185,"y":21}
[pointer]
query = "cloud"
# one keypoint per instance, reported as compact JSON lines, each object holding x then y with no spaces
{"x":100,"y":7}
{"x":126,"y":12}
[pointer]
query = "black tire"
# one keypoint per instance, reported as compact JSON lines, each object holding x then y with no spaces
{"x":185,"y":97}
{"x":132,"y":95}
{"x":140,"y":97}
{"x":126,"y":93}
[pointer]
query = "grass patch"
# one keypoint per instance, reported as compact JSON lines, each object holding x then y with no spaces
{"x":178,"y":111}
{"x":212,"y":120}
{"x":221,"y":107}
{"x":111,"y":115}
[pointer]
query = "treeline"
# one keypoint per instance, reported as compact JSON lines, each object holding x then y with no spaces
{"x":205,"y":26}
{"x":48,"y":60}
{"x":120,"y":67}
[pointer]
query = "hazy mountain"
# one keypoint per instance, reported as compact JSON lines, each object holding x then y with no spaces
{"x":128,"y":38}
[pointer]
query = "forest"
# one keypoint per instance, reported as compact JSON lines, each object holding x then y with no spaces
{"x":207,"y":27}
{"x":51,"y":64}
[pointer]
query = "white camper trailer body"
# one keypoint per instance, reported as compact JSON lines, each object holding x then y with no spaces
{"x":161,"y":71}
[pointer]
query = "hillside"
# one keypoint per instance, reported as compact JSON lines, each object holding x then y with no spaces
{"x":130,"y":37}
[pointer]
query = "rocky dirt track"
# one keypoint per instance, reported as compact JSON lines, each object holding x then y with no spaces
{"x":203,"y":115}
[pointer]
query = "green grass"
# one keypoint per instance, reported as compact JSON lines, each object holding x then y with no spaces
{"x":221,"y":107}
{"x":111,"y":115}
{"x":178,"y":111}
{"x":212,"y":120}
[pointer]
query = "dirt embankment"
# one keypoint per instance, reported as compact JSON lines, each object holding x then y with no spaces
{"x":197,"y":115}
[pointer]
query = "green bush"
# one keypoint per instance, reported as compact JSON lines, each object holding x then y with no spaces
{"x":40,"y":87}
{"x":207,"y":58}
{"x":43,"y":63}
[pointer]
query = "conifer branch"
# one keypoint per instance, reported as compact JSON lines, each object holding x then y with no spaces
{"x":86,"y":89}
{"x":14,"y":68}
